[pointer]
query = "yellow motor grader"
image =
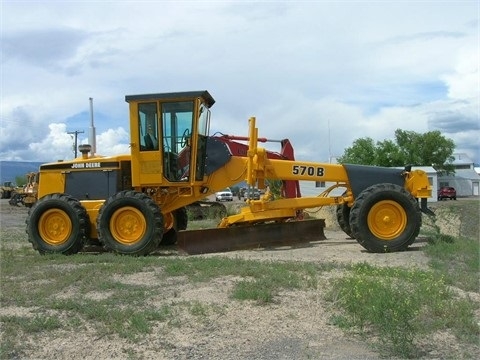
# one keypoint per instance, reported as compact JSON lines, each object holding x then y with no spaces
{"x":26,"y":195}
{"x":6,"y":190}
{"x":134,"y":202}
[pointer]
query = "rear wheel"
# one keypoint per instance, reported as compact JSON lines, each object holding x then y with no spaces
{"x":180,"y":222}
{"x":130,"y":223}
{"x":57,"y":223}
{"x":385,"y":218}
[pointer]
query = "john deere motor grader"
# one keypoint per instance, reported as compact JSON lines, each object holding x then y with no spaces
{"x":26,"y":195}
{"x":133,"y":203}
{"x":6,"y":190}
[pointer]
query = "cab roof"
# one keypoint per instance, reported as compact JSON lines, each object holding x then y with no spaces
{"x":204,"y":94}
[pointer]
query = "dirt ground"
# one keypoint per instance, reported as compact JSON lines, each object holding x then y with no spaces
{"x":297,"y":326}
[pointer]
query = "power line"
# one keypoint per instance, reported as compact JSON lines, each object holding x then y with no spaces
{"x":76,"y":132}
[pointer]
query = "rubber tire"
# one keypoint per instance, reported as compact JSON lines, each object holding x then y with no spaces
{"x":181,"y":221}
{"x":181,"y":217}
{"x":65,"y":205}
{"x":343,"y":219}
{"x":152,"y":220}
{"x":15,"y":199}
{"x":399,"y":197}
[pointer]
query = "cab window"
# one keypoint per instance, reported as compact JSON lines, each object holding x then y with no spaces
{"x":148,"y":127}
{"x":177,"y":121}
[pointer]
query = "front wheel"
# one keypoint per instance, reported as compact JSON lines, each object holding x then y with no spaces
{"x":130,"y":223}
{"x":385,"y":218}
{"x":57,"y":223}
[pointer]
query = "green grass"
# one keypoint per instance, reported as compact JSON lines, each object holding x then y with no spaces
{"x":261,"y":281}
{"x":131,"y":297}
{"x":457,"y":260}
{"x":99,"y":291}
{"x":391,"y":301}
{"x":402,"y":305}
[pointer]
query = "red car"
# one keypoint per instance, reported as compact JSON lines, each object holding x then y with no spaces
{"x":447,"y":192}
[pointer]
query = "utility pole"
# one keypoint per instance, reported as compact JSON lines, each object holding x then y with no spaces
{"x":76,"y":132}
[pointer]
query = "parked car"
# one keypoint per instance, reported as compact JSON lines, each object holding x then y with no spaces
{"x":224,"y":195}
{"x":447,"y":192}
{"x":246,"y":193}
{"x":253,"y":194}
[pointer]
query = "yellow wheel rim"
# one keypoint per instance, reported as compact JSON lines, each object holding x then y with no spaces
{"x":387,"y":220}
{"x":55,"y":227}
{"x":128,"y":225}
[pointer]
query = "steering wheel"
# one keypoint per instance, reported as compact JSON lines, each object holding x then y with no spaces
{"x":185,"y":138}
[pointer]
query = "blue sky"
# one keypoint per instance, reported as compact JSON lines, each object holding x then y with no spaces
{"x":321,"y":73}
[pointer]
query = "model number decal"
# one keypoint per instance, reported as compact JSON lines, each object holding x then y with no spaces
{"x":308,"y":170}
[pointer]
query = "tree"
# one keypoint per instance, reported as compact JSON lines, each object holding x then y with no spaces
{"x":409,"y":148}
{"x":275,"y":187}
{"x":431,"y":148}
{"x":362,"y":152}
{"x":388,"y":153}
{"x":20,"y":180}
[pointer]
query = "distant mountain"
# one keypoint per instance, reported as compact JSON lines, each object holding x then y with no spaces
{"x":9,"y":170}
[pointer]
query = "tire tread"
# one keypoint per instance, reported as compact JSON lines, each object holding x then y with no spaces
{"x":359,"y":225}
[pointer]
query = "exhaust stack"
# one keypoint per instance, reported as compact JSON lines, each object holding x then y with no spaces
{"x":91,"y":134}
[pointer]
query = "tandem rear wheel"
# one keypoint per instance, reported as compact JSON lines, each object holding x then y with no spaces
{"x":130,"y":223}
{"x":57,"y":223}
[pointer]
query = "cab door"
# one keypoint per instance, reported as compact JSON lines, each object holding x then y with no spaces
{"x":146,"y":144}
{"x":169,"y":141}
{"x":177,"y":138}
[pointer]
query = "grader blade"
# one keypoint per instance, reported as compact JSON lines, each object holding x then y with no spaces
{"x":250,"y":237}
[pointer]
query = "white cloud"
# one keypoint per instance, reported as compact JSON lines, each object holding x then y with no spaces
{"x":113,"y":142}
{"x":464,"y":82}
{"x":383,"y":124}
{"x":363,"y":68}
{"x":57,"y":145}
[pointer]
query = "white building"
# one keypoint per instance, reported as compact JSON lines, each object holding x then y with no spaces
{"x":466,"y":179}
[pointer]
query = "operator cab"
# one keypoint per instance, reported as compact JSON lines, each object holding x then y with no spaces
{"x":169,"y":134}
